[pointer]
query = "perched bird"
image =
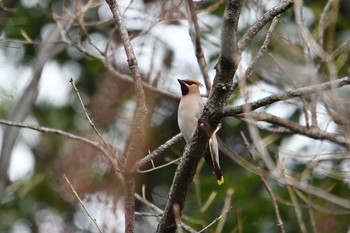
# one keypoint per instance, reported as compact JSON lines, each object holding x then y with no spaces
{"x":190,"y":108}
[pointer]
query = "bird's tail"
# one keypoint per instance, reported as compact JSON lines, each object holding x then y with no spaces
{"x":212,"y":159}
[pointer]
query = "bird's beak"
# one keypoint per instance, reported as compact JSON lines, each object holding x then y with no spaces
{"x":181,"y":82}
{"x":184,"y":87}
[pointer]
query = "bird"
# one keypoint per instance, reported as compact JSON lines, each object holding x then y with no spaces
{"x":190,"y":108}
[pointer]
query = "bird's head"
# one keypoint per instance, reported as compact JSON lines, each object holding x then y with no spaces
{"x":189,"y":86}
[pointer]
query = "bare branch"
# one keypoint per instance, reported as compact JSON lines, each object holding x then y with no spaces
{"x":74,"y":137}
{"x":299,"y":129}
{"x":253,"y":30}
{"x":216,"y":219}
{"x":297,"y":210}
{"x":240,"y":79}
{"x":218,"y":96}
{"x":302,"y":186}
{"x":140,"y":115}
{"x":196,"y":37}
{"x":160,"y":166}
{"x":233,"y":111}
{"x":135,"y":146}
{"x":266,"y":185}
{"x":225,"y":209}
{"x":88,"y":117}
{"x":322,"y":24}
{"x":82,"y":204}
{"x":155,"y":153}
{"x":263,"y":48}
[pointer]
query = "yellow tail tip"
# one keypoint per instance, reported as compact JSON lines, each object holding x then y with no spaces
{"x":221,"y":181}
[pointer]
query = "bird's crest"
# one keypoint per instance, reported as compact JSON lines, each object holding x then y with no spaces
{"x":191,"y":81}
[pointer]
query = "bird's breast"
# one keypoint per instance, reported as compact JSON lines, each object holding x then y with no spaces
{"x":187,"y":115}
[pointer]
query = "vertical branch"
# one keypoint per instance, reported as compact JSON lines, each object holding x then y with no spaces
{"x":134,"y":149}
{"x":196,"y":37}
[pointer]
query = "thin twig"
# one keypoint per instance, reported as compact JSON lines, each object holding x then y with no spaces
{"x":297,"y":209}
{"x":225,"y":212}
{"x":155,"y":153}
{"x":266,"y":185}
{"x":43,"y":129}
{"x":196,"y":37}
{"x":305,"y":34}
{"x":322,"y":23}
{"x":312,"y":220}
{"x":88,"y":117}
{"x":160,"y":166}
{"x":209,"y":201}
{"x":82,"y":204}
{"x":263,"y":48}
{"x":259,"y":24}
{"x":227,"y":205}
{"x":312,"y":190}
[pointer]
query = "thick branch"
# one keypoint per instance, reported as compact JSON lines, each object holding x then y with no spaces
{"x":218,"y":96}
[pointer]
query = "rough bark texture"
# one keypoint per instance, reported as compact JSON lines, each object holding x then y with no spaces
{"x":222,"y":89}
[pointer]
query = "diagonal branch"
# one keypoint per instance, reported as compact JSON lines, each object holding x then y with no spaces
{"x":313,"y":132}
{"x":258,"y":25}
{"x":225,"y":70}
{"x":196,"y":37}
{"x":265,"y":183}
{"x":159,"y":150}
{"x":308,"y":90}
{"x":74,"y":137}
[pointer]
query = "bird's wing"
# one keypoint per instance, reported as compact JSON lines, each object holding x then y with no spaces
{"x":199,"y":109}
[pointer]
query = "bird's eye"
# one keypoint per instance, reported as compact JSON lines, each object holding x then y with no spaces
{"x":190,"y":83}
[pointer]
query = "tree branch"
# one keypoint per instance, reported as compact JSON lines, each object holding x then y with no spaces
{"x":218,"y":96}
{"x":196,"y":37}
{"x":135,"y":147}
{"x":158,"y":151}
{"x":258,"y":25}
{"x":233,"y":111}
{"x":314,"y":133}
{"x":265,"y":183}
{"x":74,"y":137}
